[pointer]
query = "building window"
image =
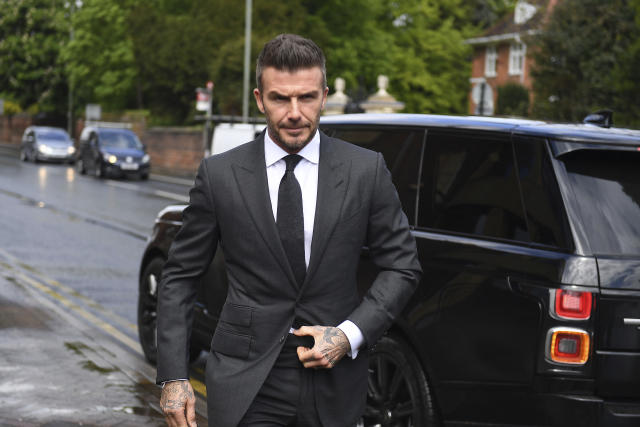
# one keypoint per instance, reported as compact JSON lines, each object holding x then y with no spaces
{"x":490,"y":58}
{"x":516,"y":58}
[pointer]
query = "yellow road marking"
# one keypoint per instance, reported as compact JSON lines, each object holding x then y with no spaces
{"x":106,"y":327}
{"x":198,"y":386}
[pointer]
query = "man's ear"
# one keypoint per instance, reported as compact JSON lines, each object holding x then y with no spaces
{"x":258,"y":96}
{"x":324,"y":97}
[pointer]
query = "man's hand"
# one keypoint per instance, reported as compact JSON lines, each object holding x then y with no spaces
{"x":331,"y":344}
{"x":178,"y":404}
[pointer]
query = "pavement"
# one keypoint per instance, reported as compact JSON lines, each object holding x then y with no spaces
{"x":58,"y":370}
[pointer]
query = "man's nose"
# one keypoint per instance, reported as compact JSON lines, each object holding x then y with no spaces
{"x":294,"y":110}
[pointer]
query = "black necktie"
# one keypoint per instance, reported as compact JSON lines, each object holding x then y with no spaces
{"x":290,"y":219}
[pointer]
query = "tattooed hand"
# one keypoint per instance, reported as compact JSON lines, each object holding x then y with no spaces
{"x":331,"y":344}
{"x":178,"y":404}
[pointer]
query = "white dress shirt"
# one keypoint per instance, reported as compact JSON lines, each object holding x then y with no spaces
{"x":306,"y":173}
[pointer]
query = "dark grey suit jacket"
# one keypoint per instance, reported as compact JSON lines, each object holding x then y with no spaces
{"x":357,"y":205}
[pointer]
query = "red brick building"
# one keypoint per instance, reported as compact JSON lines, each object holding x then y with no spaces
{"x":500,"y":54}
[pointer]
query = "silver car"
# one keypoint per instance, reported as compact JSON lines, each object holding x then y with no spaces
{"x":47,"y":143}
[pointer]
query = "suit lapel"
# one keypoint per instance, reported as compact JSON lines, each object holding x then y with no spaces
{"x":333,"y":177}
{"x":251,"y":177}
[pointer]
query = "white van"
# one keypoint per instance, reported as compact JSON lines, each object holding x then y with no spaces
{"x":229,"y":135}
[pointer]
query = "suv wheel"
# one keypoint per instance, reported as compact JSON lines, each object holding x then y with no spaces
{"x":147,"y":314}
{"x":147,"y":300}
{"x":398,"y":392}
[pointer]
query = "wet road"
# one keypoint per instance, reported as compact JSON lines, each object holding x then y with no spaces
{"x":70,"y":248}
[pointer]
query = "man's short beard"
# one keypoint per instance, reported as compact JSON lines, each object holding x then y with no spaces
{"x":296,"y":146}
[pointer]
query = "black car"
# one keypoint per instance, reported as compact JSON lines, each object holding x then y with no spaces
{"x":46,"y":143}
{"x":529,"y":309}
{"x":117,"y":152}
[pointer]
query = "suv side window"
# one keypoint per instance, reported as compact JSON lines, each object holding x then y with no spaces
{"x":546,"y":218}
{"x":471,"y":186}
{"x":401,"y":149}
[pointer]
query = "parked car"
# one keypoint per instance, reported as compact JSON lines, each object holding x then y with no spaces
{"x":106,"y":151}
{"x":529,"y":308}
{"x":46,"y":143}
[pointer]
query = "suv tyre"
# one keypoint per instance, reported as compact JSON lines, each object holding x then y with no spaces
{"x":398,"y":392}
{"x":147,"y":313}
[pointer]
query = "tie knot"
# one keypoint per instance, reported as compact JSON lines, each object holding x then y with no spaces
{"x":292,"y":161}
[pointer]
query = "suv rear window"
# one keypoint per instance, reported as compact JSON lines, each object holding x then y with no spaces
{"x":606,"y":185}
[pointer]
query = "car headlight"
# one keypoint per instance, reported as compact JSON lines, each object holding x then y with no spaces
{"x":44,"y":149}
{"x":71,"y":150}
{"x":109,"y":158}
{"x":145,"y":158}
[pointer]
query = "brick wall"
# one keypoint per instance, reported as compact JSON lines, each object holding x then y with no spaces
{"x":12,"y":127}
{"x":173,"y":151}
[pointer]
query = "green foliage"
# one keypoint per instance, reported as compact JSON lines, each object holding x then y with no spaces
{"x":582,"y":62}
{"x":99,"y":59}
{"x":485,"y":13}
{"x":625,"y":76}
{"x":513,"y":100}
{"x":10,"y":107}
{"x":153,"y":54}
{"x":431,"y":64}
{"x":31,"y":33}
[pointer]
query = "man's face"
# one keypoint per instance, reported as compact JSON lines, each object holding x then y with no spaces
{"x":291,"y":102}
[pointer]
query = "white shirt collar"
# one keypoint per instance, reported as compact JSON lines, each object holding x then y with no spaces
{"x":273,"y":152}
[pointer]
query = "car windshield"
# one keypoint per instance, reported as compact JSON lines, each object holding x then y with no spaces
{"x":120,"y":140}
{"x":606,"y":185}
{"x":52,"y":135}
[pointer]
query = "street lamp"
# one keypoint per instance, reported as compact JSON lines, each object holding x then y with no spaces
{"x":247,"y":61}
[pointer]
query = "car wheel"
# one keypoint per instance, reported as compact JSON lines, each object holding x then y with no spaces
{"x":99,"y":172}
{"x":147,"y":312}
{"x":147,"y":300}
{"x":398,"y":393}
{"x":144,"y":177}
{"x":80,"y":167}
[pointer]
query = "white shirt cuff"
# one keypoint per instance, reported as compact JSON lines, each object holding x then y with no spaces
{"x":170,"y":381}
{"x":354,"y":335}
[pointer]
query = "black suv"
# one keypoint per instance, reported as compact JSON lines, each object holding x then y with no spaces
{"x":107,"y":151}
{"x":529,"y":309}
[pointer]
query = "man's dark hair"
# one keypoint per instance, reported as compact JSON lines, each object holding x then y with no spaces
{"x":290,"y":52}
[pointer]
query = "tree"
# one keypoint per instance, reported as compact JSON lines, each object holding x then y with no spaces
{"x":576,"y":55}
{"x":431,"y":64}
{"x":172,"y":48}
{"x":100,"y":59}
{"x":625,"y":76}
{"x":31,"y":33}
{"x":513,"y":100}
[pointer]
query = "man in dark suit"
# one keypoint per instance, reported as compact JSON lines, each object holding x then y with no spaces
{"x":292,"y":211}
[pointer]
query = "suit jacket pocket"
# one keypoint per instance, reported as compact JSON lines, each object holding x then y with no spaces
{"x":231,"y":343}
{"x":235,"y":314}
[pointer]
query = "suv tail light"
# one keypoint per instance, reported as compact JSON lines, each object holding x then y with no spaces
{"x":568,"y":346}
{"x":570,"y":304}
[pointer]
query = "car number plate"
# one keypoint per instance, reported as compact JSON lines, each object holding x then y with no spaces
{"x":129,"y":166}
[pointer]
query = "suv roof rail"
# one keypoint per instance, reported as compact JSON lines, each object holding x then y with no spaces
{"x":602,"y":118}
{"x":114,"y":125}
